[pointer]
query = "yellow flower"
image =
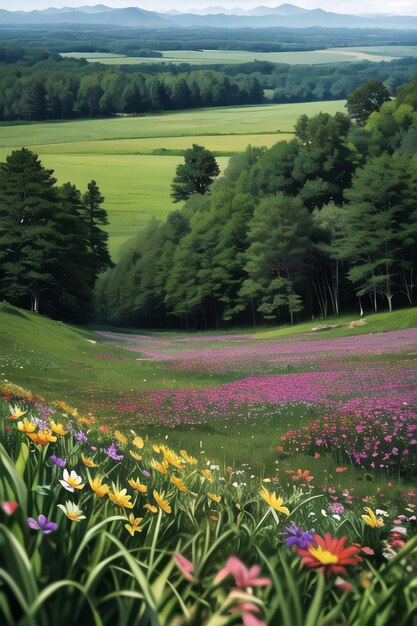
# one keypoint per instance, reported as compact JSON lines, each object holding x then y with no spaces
{"x":179,"y":484}
{"x":172,"y":458}
{"x":58,"y":429}
{"x":272,"y":500}
{"x":72,"y":511}
{"x":161,"y":502}
{"x":16,"y":413}
{"x":136,"y":484}
{"x":207,"y":474}
{"x":150,"y":507}
{"x":133,"y":527}
{"x":26,"y":426}
{"x":120,"y":437}
{"x":162,"y":467}
{"x":87,"y":461}
{"x":97,"y":487}
{"x":214,"y":497}
{"x":120,"y":497}
{"x":42,"y":437}
{"x":190,"y":459}
{"x":137,"y":457}
{"x":371,"y":519}
{"x":138,"y":442}
{"x":156,"y":448}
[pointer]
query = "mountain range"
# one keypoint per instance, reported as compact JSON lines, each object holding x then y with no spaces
{"x":284,"y":15}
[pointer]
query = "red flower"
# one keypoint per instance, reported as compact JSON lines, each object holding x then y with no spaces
{"x":329,"y":554}
{"x":341,"y":469}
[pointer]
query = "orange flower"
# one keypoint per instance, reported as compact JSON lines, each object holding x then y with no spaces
{"x":42,"y":437}
{"x":162,"y":467}
{"x":136,"y":484}
{"x":300,"y":475}
{"x":341,"y":469}
{"x":151,"y":508}
{"x":87,"y":461}
{"x":329,"y":554}
{"x":16,"y":413}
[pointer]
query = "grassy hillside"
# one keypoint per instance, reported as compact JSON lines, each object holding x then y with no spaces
{"x":134,"y":159}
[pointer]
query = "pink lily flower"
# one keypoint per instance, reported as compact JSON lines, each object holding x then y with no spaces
{"x":244,"y":576}
{"x":186,"y":567}
{"x":9,"y":507}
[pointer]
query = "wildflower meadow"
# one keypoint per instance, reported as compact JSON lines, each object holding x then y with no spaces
{"x":274,"y":483}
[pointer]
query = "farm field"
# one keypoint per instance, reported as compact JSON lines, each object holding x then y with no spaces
{"x":213,"y":57}
{"x":120,"y":153}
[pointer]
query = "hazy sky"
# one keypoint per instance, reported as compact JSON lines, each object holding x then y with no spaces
{"x":404,"y":7}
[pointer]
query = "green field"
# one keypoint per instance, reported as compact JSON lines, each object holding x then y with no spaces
{"x":133,"y":159}
{"x":213,"y":57}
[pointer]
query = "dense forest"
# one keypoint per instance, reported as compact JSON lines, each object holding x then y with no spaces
{"x":52,"y":245}
{"x":322,"y":224}
{"x":38,"y":85}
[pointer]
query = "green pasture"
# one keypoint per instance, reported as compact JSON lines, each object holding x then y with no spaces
{"x":214,"y":57}
{"x":133,"y":159}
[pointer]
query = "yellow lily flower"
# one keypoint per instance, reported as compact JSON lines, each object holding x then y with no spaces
{"x":161,"y":501}
{"x":179,"y":484}
{"x":87,"y":461}
{"x":16,"y":413}
{"x":162,"y":467}
{"x":273,"y":501}
{"x":58,"y":429}
{"x":207,"y":474}
{"x":42,"y":437}
{"x":98,"y":488}
{"x":138,"y":442}
{"x":150,"y":507}
{"x":136,"y":484}
{"x":371,"y":519}
{"x":120,"y":437}
{"x":133,"y":526}
{"x":26,"y":426}
{"x":214,"y":497}
{"x":190,"y":459}
{"x":72,"y":511}
{"x":137,"y":457}
{"x":120,"y":498}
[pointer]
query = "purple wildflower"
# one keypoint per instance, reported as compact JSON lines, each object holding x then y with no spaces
{"x":297,"y":537}
{"x":81,"y":436}
{"x":113,"y":454}
{"x":336,"y":508}
{"x":146,"y":473}
{"x":42,"y":524}
{"x":58,"y":461}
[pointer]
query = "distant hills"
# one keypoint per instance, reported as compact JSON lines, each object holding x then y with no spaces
{"x":284,"y":15}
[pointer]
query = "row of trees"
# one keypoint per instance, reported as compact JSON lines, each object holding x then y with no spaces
{"x":61,"y":95}
{"x":321,"y":224}
{"x":52,"y":245}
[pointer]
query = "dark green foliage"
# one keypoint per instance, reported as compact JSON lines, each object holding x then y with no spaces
{"x":366,"y":99}
{"x":95,"y":216}
{"x":47,"y":262}
{"x":319,"y":225}
{"x":195,"y":175}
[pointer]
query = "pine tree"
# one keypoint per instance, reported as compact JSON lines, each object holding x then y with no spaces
{"x":95,"y":217}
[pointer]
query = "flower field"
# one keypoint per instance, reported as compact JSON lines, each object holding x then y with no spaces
{"x":232,"y":480}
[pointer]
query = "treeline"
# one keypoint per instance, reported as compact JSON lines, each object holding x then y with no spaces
{"x":322,"y":224}
{"x":52,"y":245}
{"x":36,"y":85}
{"x":57,"y":88}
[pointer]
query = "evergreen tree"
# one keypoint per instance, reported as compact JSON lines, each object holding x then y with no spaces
{"x":95,"y":217}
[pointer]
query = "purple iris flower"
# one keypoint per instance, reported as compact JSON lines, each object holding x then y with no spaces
{"x":297,"y":537}
{"x":81,"y":436}
{"x":58,"y":461}
{"x":42,"y":524}
{"x":112,"y":453}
